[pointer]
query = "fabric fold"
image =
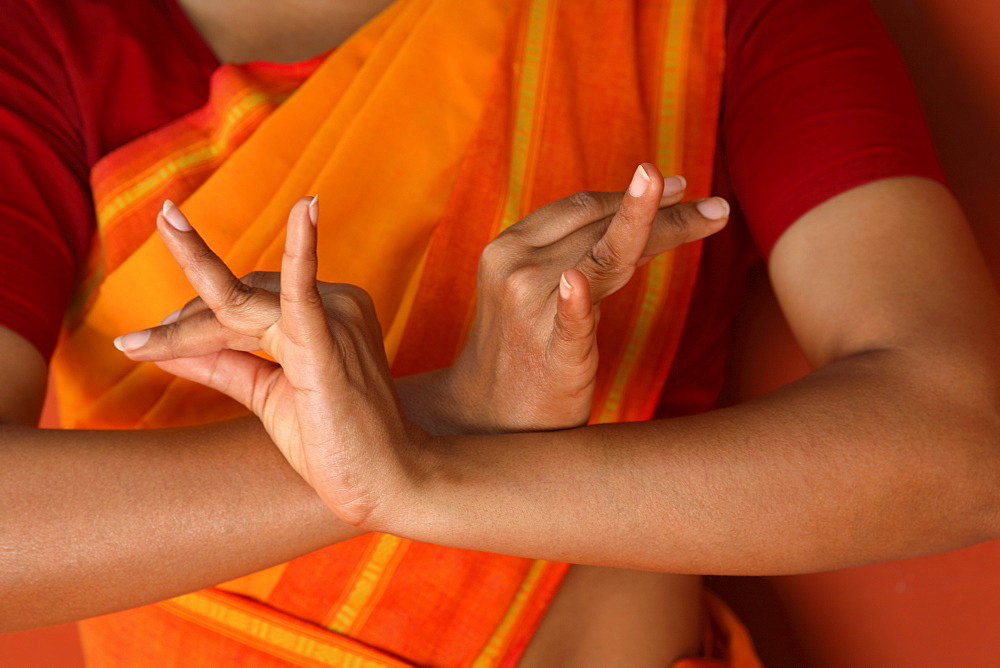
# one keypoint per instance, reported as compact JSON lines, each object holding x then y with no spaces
{"x":434,"y":127}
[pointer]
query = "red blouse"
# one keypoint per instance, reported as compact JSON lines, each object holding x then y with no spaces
{"x":816,"y":101}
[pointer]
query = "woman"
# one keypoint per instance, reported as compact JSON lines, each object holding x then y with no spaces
{"x":840,"y":508}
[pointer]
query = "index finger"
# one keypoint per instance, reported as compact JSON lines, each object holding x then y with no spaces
{"x":204,"y":270}
{"x":557,"y":220}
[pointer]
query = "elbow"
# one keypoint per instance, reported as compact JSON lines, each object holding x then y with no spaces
{"x":947,"y":479}
{"x":976,"y":470}
{"x":990,"y":510}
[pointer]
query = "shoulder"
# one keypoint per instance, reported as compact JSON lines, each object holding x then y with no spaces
{"x":129,"y":65}
{"x":78,"y":78}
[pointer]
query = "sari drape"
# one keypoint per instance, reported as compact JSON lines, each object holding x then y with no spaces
{"x":434,"y":127}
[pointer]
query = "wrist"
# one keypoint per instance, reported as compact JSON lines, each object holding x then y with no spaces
{"x":408,"y":497}
{"x":444,"y":402}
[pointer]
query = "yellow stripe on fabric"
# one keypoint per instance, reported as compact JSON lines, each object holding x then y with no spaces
{"x":670,"y":122}
{"x":262,"y":632}
{"x":364,"y":586}
{"x":669,"y":157}
{"x":657,"y":277}
{"x":524,"y":118}
{"x":492,"y":651}
{"x":197,"y":156}
{"x":193,"y":156}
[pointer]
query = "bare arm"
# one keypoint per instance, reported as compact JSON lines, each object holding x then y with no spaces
{"x":94,"y":522}
{"x":891,"y":448}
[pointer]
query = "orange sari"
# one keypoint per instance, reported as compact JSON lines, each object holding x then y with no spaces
{"x":434,"y":127}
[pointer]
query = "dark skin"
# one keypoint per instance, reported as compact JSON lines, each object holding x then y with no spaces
{"x":795,"y":481}
{"x":243,"y":30}
{"x":890,"y":337}
{"x":216,"y":501}
{"x":599,"y":603}
{"x":511,"y":493}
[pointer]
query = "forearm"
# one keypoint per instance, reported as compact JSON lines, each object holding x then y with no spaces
{"x":97,"y":521}
{"x":864,"y":460}
{"x":100,"y":521}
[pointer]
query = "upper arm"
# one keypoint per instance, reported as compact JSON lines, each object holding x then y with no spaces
{"x":833,"y":167}
{"x":889,"y":265}
{"x":23,"y":370}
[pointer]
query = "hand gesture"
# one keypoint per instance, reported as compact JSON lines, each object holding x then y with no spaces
{"x":328,"y":402}
{"x":531,"y":360}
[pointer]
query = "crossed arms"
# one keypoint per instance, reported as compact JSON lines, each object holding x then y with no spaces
{"x":888,"y":449}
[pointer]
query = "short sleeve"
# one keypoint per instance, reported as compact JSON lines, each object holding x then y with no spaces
{"x":45,"y":205}
{"x":817,"y":101}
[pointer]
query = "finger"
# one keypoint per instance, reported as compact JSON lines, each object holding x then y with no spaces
{"x":236,"y":374}
{"x":225,"y":294}
{"x":267,"y":280}
{"x":684,"y":223}
{"x":271,"y":281}
{"x":612,"y":260}
{"x":573,"y":339}
{"x":672,"y":226}
{"x":557,"y":220}
{"x":302,"y":313}
{"x":191,"y":336}
{"x":198,"y":330}
{"x":193,"y":307}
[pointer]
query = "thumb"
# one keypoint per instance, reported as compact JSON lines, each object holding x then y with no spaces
{"x":575,"y":321}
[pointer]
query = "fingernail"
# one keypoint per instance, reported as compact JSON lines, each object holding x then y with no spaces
{"x":640,"y":181}
{"x":565,"y":289}
{"x":132,"y":340}
{"x":174,"y":216}
{"x":172,"y":317}
{"x":713,"y":208}
{"x":674,"y":185}
{"x":314,"y":209}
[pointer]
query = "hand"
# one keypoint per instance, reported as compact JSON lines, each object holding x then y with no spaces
{"x":329,"y":402}
{"x":531,"y":360}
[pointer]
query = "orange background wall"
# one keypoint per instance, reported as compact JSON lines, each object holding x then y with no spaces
{"x":936,"y":611}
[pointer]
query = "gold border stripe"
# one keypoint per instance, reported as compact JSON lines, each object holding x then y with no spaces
{"x":670,"y":141}
{"x":292,"y":640}
{"x":197,"y":155}
{"x":658,"y":270}
{"x":365,"y":585}
{"x":491,"y":652}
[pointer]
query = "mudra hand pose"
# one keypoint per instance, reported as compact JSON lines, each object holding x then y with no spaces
{"x":436,"y":127}
{"x":329,"y":402}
